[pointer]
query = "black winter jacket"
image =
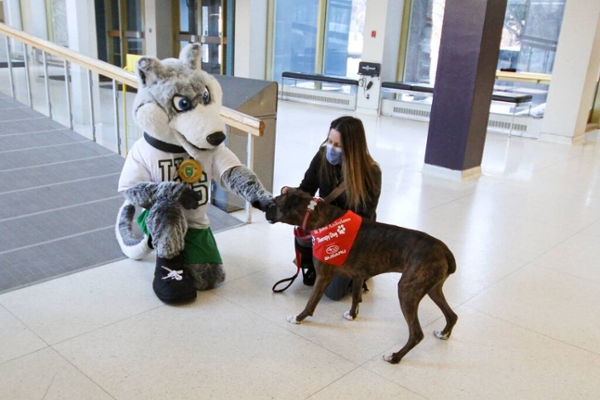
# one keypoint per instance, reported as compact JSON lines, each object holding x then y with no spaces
{"x":312,"y":182}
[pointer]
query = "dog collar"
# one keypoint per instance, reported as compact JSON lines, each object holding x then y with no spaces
{"x":164,"y":146}
{"x":309,"y":210}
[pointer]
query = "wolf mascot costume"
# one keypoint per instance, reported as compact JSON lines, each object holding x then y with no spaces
{"x":177,"y":106}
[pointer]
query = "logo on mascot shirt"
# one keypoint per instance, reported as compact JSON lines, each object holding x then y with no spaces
{"x":190,"y":171}
{"x":332,"y":243}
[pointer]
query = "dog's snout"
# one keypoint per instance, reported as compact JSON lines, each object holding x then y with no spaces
{"x":271,"y":213}
{"x":216,"y":138}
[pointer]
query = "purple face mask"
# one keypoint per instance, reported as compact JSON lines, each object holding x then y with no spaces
{"x":333,"y":155}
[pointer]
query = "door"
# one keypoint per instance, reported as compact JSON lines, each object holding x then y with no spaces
{"x":201,"y":21}
{"x":120,"y":29}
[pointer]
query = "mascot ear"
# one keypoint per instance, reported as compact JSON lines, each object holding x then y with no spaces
{"x":149,"y":70}
{"x":191,"y":56}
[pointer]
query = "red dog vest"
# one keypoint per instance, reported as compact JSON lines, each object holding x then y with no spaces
{"x":332,"y":243}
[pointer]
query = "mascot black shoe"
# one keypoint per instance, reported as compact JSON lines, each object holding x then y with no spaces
{"x":172,"y":284}
{"x":169,"y":171}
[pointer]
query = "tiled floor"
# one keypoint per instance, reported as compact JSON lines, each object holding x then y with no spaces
{"x":526,"y":290}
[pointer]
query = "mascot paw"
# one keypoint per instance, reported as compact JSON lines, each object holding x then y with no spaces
{"x":189,"y":199}
{"x":264,"y":203}
{"x":206,"y":276}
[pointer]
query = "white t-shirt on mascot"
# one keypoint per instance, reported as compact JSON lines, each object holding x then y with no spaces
{"x":146,"y":163}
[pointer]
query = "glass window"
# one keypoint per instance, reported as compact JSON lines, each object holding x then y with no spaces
{"x":539,"y":35}
{"x":295,"y":37}
{"x":529,"y":37}
{"x":344,"y":37}
{"x":423,"y":40}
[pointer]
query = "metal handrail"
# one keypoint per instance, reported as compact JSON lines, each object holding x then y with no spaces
{"x":527,"y":77}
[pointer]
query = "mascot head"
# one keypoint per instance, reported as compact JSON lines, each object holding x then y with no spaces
{"x":178,"y":103}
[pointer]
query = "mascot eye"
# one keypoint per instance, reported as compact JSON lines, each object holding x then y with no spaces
{"x":205,"y":96}
{"x":182,"y":103}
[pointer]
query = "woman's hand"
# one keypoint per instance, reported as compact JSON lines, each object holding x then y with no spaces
{"x":284,"y":189}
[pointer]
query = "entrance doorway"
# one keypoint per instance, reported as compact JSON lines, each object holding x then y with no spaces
{"x":202,"y":21}
{"x":120,"y":29}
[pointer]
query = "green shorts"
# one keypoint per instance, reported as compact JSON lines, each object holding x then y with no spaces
{"x":200,"y":245}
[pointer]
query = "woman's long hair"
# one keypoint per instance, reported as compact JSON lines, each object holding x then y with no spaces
{"x":358,"y":167}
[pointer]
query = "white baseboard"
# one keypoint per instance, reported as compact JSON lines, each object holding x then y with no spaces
{"x":455,"y":175}
{"x":320,"y":97}
{"x":523,"y":126}
{"x":552,"y":138}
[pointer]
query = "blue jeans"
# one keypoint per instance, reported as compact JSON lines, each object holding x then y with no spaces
{"x":339,"y":287}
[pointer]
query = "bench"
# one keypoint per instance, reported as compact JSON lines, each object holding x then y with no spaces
{"x":319,"y":78}
{"x":342,"y":93}
{"x":506,"y":97}
{"x":514,"y":99}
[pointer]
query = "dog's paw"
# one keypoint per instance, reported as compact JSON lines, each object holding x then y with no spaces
{"x":440,"y":335}
{"x":292,"y":319}
{"x":348,"y":316}
{"x":389,"y":358}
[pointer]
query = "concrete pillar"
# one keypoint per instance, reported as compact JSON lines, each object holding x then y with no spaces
{"x":575,"y":73}
{"x":12,"y":13}
{"x":81,"y":28}
{"x":12,"y":18}
{"x":469,"y":49}
{"x":381,"y":43}
{"x":35,"y":21}
{"x":250,"y":39}
{"x":158,"y":29}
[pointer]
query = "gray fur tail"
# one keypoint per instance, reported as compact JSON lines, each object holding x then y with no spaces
{"x":132,"y":247}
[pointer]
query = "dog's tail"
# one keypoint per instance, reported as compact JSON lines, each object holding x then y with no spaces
{"x":451,"y":262}
{"x":131,"y":246}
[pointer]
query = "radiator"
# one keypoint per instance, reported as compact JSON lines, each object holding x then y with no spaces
{"x":525,"y":126}
{"x":332,"y":99}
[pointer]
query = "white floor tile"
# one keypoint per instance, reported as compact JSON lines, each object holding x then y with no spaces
{"x":363,"y":384}
{"x":210,"y":349}
{"x":379,"y":325}
{"x":524,"y":236}
{"x":551,"y":303}
{"x":67,"y":307}
{"x":487,"y":358}
{"x":15,"y":338}
{"x":46,"y":375}
{"x":577,"y":256}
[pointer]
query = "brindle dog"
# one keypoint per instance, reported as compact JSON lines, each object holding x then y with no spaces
{"x":424,"y":261}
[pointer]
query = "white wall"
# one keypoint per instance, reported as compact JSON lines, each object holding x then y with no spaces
{"x":389,"y":62}
{"x":575,"y":73}
{"x":39,"y":25}
{"x":383,"y":18}
{"x":12,"y":14}
{"x":81,"y":26}
{"x":158,"y":28}
{"x":250,"y":39}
